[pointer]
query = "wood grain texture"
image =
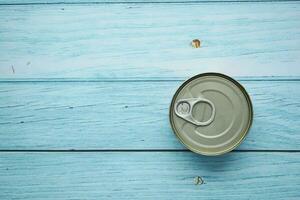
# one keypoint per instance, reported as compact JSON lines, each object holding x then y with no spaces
{"x":130,"y":115}
{"x":102,"y":74}
{"x":149,"y":176}
{"x":149,"y":40}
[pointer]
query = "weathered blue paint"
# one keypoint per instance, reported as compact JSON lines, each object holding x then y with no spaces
{"x":149,"y":40}
{"x":130,"y":115}
{"x":99,"y":77}
{"x":149,"y":175}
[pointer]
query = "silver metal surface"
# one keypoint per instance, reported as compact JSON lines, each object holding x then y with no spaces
{"x":211,"y":113}
{"x":184,"y":107}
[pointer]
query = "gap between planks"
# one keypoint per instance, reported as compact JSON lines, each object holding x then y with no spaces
{"x":151,"y":79}
{"x":142,"y":2}
{"x":136,"y":150}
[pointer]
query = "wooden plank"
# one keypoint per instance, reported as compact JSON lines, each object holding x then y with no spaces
{"x":145,"y":175}
{"x":130,"y":115}
{"x":149,"y":40}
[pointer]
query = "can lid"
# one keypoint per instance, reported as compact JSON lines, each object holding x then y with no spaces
{"x":211,"y":113}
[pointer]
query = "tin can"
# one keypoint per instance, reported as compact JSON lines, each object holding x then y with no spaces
{"x":211,"y":113}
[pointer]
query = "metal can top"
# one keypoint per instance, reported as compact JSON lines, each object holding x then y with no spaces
{"x":211,"y":113}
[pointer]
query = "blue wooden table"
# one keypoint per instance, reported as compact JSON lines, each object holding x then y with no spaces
{"x":85,"y":87}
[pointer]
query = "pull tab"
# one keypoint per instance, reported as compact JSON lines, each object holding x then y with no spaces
{"x":184,"y":108}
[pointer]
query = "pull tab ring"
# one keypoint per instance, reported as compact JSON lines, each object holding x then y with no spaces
{"x":184,"y":107}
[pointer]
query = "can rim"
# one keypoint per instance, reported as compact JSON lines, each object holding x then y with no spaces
{"x":245,"y":133}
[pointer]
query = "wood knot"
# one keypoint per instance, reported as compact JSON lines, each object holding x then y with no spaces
{"x":198,"y":180}
{"x":196,"y":43}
